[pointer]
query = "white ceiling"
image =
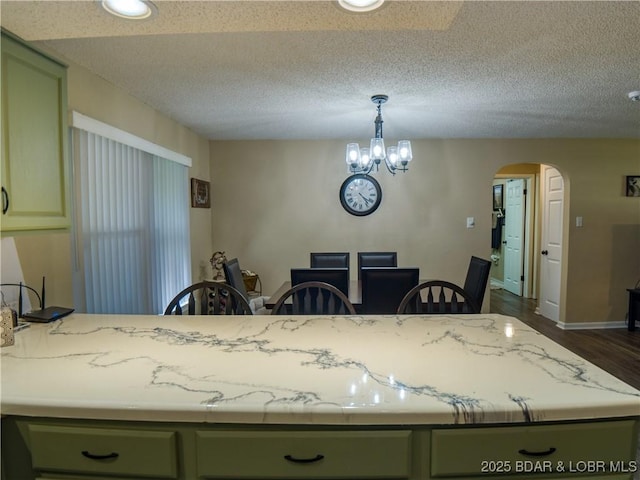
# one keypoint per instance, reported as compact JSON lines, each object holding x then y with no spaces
{"x":306,"y":69}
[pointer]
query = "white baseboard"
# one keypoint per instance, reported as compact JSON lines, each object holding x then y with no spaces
{"x":591,"y":325}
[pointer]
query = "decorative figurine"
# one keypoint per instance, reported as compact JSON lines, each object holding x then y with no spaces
{"x":217,"y":259}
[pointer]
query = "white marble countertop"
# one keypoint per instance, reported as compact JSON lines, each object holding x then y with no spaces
{"x":360,"y":370}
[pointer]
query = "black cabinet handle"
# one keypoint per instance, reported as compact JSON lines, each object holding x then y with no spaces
{"x":537,"y":454}
{"x":5,"y":201}
{"x":100,"y":457}
{"x":317,"y":458}
{"x":545,"y":252}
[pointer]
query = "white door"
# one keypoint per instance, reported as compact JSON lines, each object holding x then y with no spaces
{"x":551,"y":254}
{"x":514,"y":236}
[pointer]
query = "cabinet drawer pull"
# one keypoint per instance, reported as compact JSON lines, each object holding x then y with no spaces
{"x":537,"y":454}
{"x":317,"y":458}
{"x":5,"y":201}
{"x":100,"y":457}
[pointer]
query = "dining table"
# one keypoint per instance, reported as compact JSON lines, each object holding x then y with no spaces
{"x":355,"y":294}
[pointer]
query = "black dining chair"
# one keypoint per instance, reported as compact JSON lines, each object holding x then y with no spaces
{"x":313,"y":298}
{"x":438,"y":297}
{"x":475,"y":282}
{"x":376,"y":259}
{"x":384,"y":288}
{"x":329,"y":259}
{"x":208,"y":298}
{"x":233,"y":276}
{"x":338,"y":277}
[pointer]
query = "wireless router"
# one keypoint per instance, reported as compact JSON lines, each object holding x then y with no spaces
{"x":43,"y":315}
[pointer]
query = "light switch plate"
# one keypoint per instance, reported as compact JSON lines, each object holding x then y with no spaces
{"x":471,"y":222}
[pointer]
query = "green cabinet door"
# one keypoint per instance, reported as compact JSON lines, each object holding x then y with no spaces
{"x":104,"y":451}
{"x":35,"y":184}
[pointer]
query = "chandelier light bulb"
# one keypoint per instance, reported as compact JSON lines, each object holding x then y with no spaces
{"x":353,"y":155}
{"x":365,"y":158}
{"x":392,"y":156}
{"x":404,"y":151}
{"x":377,"y":149}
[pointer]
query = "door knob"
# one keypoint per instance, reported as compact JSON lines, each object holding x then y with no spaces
{"x":545,"y":252}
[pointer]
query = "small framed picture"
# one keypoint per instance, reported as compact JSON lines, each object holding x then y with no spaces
{"x":633,"y":186}
{"x":200,"y":193}
{"x":497,"y":197}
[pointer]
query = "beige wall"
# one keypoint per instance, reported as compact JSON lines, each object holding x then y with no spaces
{"x":50,"y":254}
{"x":275,"y":201}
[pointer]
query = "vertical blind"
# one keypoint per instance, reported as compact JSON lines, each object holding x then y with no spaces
{"x":132,"y":237}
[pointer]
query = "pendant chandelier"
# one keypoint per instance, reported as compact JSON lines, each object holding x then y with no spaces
{"x":365,"y":160}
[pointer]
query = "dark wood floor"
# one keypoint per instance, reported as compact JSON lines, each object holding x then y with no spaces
{"x":615,"y":350}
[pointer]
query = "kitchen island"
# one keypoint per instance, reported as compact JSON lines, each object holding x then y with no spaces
{"x":309,"y":397}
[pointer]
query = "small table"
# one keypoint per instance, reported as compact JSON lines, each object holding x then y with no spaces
{"x":634,"y":307}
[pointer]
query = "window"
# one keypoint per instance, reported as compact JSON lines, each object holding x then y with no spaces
{"x":132,"y":227}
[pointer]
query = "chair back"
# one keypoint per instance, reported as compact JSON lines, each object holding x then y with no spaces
{"x":338,"y":277}
{"x":313,"y":298}
{"x":475,"y":283}
{"x":329,"y":260}
{"x":438,"y":297}
{"x":208,"y":298}
{"x":233,"y":276}
{"x":384,"y":288}
{"x":376,"y":259}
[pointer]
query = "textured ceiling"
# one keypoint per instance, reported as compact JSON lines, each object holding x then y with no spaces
{"x":306,"y":69}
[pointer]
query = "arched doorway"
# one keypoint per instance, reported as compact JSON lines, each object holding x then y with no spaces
{"x":527,"y":235}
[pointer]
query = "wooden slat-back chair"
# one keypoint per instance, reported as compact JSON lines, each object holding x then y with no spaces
{"x":209,"y":298}
{"x":442,"y":297}
{"x":313,"y":298}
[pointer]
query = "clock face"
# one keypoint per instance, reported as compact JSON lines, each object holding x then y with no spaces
{"x":360,"y":194}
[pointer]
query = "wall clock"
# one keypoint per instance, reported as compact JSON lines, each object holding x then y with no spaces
{"x":360,"y":194}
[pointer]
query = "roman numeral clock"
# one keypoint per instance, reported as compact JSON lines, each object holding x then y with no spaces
{"x":360,"y":194}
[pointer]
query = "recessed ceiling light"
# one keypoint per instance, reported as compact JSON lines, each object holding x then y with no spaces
{"x":130,"y":9}
{"x":360,"y":5}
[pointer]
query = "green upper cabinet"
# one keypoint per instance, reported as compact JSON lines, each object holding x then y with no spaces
{"x":35,"y":182}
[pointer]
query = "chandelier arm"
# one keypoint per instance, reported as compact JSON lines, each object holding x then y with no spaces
{"x":366,"y":171}
{"x":369,"y":169}
{"x":392,"y":170}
